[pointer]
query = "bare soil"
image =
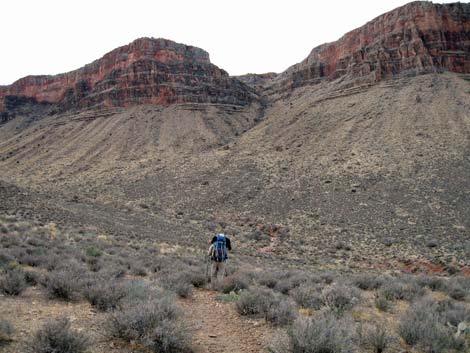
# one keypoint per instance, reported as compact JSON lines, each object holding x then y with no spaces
{"x":215,"y":325}
{"x":219,"y":328}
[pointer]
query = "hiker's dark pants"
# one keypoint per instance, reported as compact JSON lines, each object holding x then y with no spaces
{"x":217,"y":271}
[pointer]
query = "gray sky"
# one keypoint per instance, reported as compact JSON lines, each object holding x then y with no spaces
{"x":50,"y":37}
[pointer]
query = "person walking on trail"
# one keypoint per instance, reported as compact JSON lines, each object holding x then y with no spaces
{"x":220,"y":245}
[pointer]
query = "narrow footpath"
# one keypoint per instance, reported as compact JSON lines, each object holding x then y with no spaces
{"x":218,"y":328}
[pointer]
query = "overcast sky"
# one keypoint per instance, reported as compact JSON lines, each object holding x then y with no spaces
{"x":50,"y":37}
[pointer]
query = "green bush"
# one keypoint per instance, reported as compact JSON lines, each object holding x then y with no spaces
{"x":93,"y":251}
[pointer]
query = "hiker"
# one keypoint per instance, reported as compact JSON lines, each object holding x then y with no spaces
{"x":218,"y":253}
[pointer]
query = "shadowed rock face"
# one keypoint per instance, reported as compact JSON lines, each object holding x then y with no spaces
{"x":419,"y":37}
{"x":155,"y":71}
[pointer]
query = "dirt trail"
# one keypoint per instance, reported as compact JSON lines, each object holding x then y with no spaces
{"x":218,"y":328}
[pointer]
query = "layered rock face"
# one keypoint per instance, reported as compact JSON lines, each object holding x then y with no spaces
{"x":155,"y":71}
{"x":419,"y":37}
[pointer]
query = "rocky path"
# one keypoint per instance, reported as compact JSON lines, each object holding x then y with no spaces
{"x":218,"y":328}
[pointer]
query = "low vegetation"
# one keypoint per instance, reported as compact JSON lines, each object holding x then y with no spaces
{"x":13,"y":281}
{"x":425,"y":325}
{"x":57,"y":336}
{"x":320,"y":333}
{"x":6,"y":332}
{"x":156,"y":324}
{"x":134,"y":287}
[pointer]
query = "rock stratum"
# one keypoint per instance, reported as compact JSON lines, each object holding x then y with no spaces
{"x":420,"y":37}
{"x":147,"y":71}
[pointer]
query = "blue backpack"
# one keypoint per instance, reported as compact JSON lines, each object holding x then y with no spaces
{"x":220,"y":248}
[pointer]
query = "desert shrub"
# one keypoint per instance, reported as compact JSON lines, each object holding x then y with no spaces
{"x":257,"y":235}
{"x":32,"y":278}
{"x":52,"y":262}
{"x":6,"y":332}
{"x":62,"y":284}
{"x":233,"y":283}
{"x":340,"y":298}
{"x":34,"y":259}
{"x":434,"y":283}
{"x":5,"y":258}
{"x":451,"y":312}
{"x":327,"y":277}
{"x":308,"y":296}
{"x":3,"y":228}
{"x":321,"y":333}
{"x":367,"y":281}
{"x":93,"y":251}
{"x":155,"y":324}
{"x":281,"y":313}
{"x":399,"y":290}
{"x":57,"y":336}
{"x":113,"y":271}
{"x":456,"y":290}
{"x":104,"y":295}
{"x":138,"y":290}
{"x":255,"y":301}
{"x":382,"y":303}
{"x":341,"y":245}
{"x":13,"y":282}
{"x":422,"y":326}
{"x":138,"y":269}
{"x":376,"y":339}
{"x":229,"y":297}
{"x":177,"y":282}
{"x":94,"y":263}
{"x":291,"y":280}
{"x":197,"y":279}
{"x":168,"y":337}
{"x":269,"y":279}
{"x":136,"y":321}
{"x":194,"y":275}
{"x":161,"y":263}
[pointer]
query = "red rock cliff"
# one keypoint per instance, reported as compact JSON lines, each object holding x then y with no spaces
{"x":148,"y":70}
{"x":416,"y":38}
